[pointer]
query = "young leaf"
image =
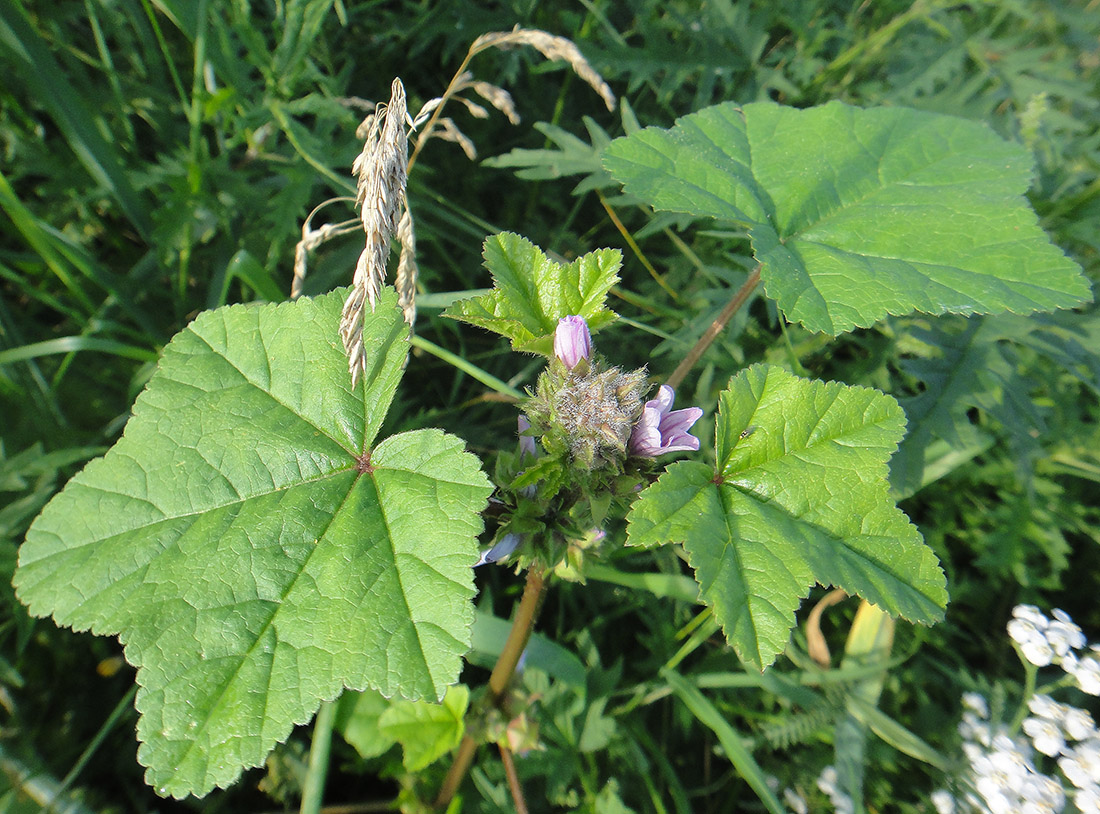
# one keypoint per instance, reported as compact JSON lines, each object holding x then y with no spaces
{"x":855,"y":214}
{"x":357,"y":720}
{"x":531,"y":292}
{"x":802,"y":498}
{"x":426,"y":731}
{"x":252,"y":549}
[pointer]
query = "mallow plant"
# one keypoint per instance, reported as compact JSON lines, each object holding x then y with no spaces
{"x":260,"y":547}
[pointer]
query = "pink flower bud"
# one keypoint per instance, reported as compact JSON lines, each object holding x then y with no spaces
{"x":572,"y":341}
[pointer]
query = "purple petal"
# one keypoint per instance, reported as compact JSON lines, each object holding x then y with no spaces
{"x":645,"y":439}
{"x":527,"y":447}
{"x":661,"y":429}
{"x":678,"y":422}
{"x":572,"y":341}
{"x":501,"y":550}
{"x":683,"y":443}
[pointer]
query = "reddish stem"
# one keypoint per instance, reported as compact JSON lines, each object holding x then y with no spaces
{"x":716,"y":328}
{"x":522,"y":626}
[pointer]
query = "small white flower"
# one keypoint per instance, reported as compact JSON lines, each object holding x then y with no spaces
{"x":975,"y":702}
{"x":826,"y":781}
{"x":1087,"y":800}
{"x":943,"y":802}
{"x":1030,"y":613}
{"x":1023,"y":630}
{"x":1081,"y":763}
{"x":1063,"y":635}
{"x":996,"y":799}
{"x":1078,"y":724}
{"x":1045,"y":735}
{"x":1032,"y":641}
{"x":972,"y":751}
{"x":974,"y":729}
{"x":1061,"y":616}
{"x":1043,"y":794}
{"x":1085,"y":669}
{"x":795,"y":801}
{"x":1046,"y":707}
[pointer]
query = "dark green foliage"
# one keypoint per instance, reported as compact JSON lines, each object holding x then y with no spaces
{"x":159,"y":158}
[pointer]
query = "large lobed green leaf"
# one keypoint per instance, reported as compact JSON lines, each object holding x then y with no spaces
{"x":799,"y":495}
{"x":251,"y":547}
{"x":531,"y":292}
{"x":855,"y":214}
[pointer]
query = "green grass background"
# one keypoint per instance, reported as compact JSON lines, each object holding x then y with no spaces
{"x":158,"y":158}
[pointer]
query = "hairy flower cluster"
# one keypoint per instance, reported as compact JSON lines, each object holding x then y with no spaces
{"x":593,"y":427}
{"x":595,"y":413}
{"x":1004,"y":777}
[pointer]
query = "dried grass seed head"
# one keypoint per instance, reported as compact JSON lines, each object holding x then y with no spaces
{"x":312,"y":238}
{"x":448,"y":131}
{"x":498,"y":98}
{"x":381,"y":172}
{"x":407,"y":268}
{"x":552,"y":47}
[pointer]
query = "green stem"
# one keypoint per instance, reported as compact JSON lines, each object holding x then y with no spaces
{"x":470,"y":369}
{"x":1031,"y":673}
{"x":162,"y":43}
{"x":313,"y":789}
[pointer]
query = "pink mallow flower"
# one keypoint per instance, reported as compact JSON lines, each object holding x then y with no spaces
{"x":572,"y":341}
{"x":662,"y":429}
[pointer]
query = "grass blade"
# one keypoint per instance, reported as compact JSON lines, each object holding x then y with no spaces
{"x":46,"y":81}
{"x":69,"y":344}
{"x":738,"y":755}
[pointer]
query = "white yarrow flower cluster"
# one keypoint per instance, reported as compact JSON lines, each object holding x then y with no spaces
{"x":1085,"y":669}
{"x":1044,"y":641}
{"x":1003,"y":777}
